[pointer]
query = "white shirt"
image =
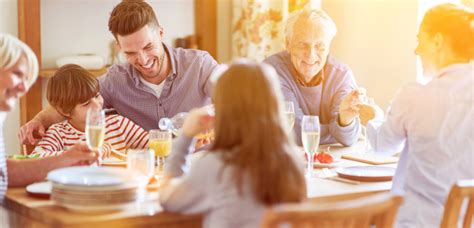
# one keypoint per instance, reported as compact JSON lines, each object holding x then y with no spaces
{"x":156,"y":88}
{"x":434,"y":124}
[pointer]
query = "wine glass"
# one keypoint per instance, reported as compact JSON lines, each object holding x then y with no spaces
{"x":310,"y":130}
{"x":290,"y":114}
{"x":95,"y":129}
{"x":368,"y":101}
{"x":141,"y":163}
{"x":160,"y":143}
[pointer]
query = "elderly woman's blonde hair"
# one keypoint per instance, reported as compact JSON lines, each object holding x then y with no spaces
{"x":11,"y":50}
{"x":315,"y":16}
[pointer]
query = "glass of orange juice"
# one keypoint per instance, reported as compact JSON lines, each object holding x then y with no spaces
{"x":160,"y":143}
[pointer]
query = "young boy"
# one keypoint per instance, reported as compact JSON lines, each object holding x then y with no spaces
{"x":72,"y":91}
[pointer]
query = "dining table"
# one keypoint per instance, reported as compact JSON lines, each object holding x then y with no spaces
{"x":21,"y":210}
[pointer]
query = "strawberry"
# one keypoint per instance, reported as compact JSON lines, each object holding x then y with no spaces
{"x":325,"y":158}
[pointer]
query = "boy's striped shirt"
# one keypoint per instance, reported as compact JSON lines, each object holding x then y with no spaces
{"x":120,"y":133}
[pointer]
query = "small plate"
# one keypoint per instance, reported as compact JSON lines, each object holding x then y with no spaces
{"x":114,"y":162}
{"x":367,"y":173}
{"x":40,"y":189}
{"x":335,"y":163}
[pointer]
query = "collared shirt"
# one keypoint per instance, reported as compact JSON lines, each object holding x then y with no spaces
{"x":188,"y":86}
{"x":322,"y":100}
{"x":3,"y":162}
{"x":434,"y":126}
{"x":315,"y":81}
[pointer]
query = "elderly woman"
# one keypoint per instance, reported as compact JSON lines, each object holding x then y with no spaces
{"x":18,"y":71}
{"x":314,"y":81}
{"x":433,"y":123}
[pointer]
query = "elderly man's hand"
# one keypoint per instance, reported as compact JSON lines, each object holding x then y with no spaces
{"x":349,"y":108}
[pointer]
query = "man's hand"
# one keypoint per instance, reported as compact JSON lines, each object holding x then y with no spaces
{"x":79,"y":154}
{"x":349,"y":109}
{"x":31,"y":132}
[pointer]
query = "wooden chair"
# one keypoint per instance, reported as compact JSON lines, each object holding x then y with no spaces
{"x":379,"y":209}
{"x":459,"y":192}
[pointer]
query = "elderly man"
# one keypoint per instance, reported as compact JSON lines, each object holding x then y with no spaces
{"x":157,"y":81}
{"x":314,"y":81}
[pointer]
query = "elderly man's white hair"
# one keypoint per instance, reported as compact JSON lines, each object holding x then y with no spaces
{"x":315,"y":16}
{"x":11,"y":50}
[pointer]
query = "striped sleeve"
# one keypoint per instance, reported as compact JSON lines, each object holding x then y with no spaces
{"x":122,"y":133}
{"x":51,"y":144}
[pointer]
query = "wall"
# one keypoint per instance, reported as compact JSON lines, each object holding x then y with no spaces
{"x":224,"y":31}
{"x":376,"y":38}
{"x":73,"y":27}
{"x":9,"y":24}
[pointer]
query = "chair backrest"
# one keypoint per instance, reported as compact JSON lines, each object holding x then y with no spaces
{"x":459,"y":192}
{"x":379,"y":209}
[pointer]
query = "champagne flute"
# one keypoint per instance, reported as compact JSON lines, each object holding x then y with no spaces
{"x":95,"y":129}
{"x":290,"y":114}
{"x":310,"y":130}
{"x":365,"y":100}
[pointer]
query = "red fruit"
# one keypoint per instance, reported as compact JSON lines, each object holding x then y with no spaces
{"x":325,"y":158}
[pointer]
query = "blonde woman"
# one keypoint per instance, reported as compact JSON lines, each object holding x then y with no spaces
{"x":251,"y":164}
{"x":433,"y":123}
{"x":18,"y":71}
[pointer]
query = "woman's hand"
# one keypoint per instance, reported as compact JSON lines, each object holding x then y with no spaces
{"x":79,"y":154}
{"x":349,"y":108}
{"x":197,"y":121}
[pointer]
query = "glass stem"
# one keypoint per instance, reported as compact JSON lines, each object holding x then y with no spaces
{"x":310,"y":165}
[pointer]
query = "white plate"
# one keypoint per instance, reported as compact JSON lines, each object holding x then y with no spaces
{"x":367,"y":173}
{"x":90,"y":176}
{"x":337,"y":162}
{"x":113,"y":161}
{"x":40,"y":189}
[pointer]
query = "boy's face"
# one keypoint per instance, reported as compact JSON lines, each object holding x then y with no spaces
{"x":79,"y":113}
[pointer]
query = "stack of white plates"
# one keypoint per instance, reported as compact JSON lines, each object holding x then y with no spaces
{"x":92,"y":189}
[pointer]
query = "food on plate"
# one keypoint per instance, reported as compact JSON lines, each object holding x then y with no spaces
{"x":325,"y":158}
{"x":322,"y":157}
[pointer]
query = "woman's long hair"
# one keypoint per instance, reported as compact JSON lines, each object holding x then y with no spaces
{"x":250,"y":130}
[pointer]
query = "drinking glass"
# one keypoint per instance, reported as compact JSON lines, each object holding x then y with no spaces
{"x":141,"y":163}
{"x":368,"y":101}
{"x":290,"y":114}
{"x":310,"y":130}
{"x":160,"y":143}
{"x":95,"y":129}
